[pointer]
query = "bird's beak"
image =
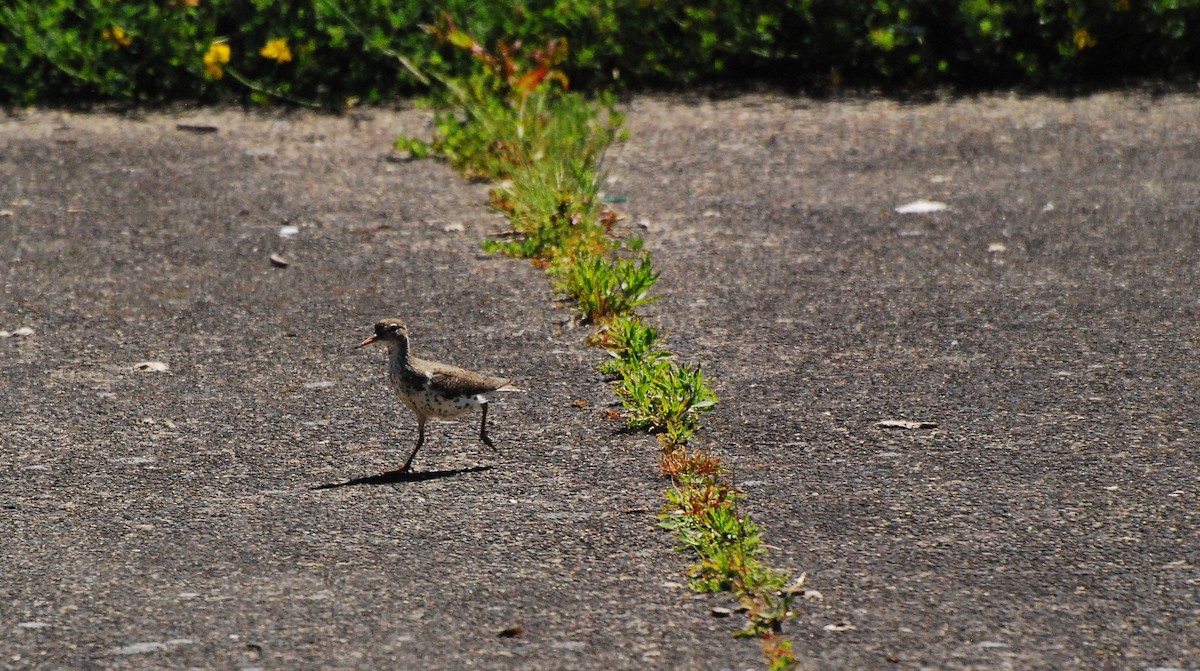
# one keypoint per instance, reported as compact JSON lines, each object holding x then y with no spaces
{"x":369,"y":341}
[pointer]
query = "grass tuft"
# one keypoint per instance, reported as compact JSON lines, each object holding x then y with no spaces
{"x":665,"y":397}
{"x":630,"y":341}
{"x":604,"y":288}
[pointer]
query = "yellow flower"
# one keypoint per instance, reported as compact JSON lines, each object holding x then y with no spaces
{"x":117,"y":36}
{"x":1083,"y":39}
{"x":216,"y":56}
{"x":277,"y":50}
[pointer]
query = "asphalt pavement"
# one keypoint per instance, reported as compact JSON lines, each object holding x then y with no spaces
{"x":188,"y":437}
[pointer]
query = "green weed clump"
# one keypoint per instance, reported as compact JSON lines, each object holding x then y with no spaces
{"x":603,"y":288}
{"x":665,"y":397}
{"x":513,"y":109}
{"x":630,"y":341}
{"x":554,"y":209}
{"x":513,"y":118}
{"x":702,"y":511}
{"x":727,"y":543}
{"x":59,"y":51}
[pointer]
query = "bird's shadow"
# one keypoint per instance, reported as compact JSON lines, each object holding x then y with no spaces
{"x":393,"y":478}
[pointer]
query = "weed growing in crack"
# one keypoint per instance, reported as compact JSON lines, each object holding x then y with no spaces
{"x":514,"y":112}
{"x":513,"y":119}
{"x":603,"y":288}
{"x":702,"y":511}
{"x":778,"y":651}
{"x":677,"y":462}
{"x":631,"y":342}
{"x":666,"y":398}
{"x":553,"y":209}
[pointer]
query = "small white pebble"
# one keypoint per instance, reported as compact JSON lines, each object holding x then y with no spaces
{"x":921,"y":207}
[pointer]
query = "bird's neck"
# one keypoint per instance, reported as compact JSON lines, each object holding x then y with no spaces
{"x":399,"y":353}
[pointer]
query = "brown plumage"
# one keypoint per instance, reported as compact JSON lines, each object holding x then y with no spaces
{"x":432,"y":389}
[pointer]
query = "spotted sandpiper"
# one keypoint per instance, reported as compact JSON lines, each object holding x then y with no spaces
{"x":432,"y":389}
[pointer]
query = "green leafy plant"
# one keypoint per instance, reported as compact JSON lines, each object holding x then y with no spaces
{"x":513,"y":109}
{"x":554,"y":209}
{"x":702,"y":511}
{"x":72,"y":51}
{"x":603,"y":288}
{"x":630,"y":341}
{"x":52,"y":52}
{"x":665,"y":397}
{"x":778,"y":652}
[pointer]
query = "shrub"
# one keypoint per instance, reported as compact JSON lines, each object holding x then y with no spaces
{"x":67,"y":51}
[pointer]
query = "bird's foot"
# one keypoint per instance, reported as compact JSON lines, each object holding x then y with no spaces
{"x":406,"y":468}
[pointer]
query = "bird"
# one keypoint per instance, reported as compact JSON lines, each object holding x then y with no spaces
{"x":431,"y":389}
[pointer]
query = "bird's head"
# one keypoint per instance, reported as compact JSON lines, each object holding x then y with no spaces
{"x":387,"y":331}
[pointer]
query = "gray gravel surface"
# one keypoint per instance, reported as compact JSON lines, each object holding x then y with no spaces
{"x":1045,"y":322}
{"x":168,"y":519}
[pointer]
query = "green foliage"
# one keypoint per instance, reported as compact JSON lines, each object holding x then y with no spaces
{"x":666,"y":397}
{"x":68,"y":51}
{"x":702,"y":511}
{"x":912,"y":43}
{"x":631,"y":341}
{"x":511,"y":118}
{"x":552,"y":196}
{"x":725,"y":544}
{"x":507,"y":111}
{"x":52,"y":52}
{"x":778,"y":653}
{"x":603,"y":288}
{"x":548,"y":218}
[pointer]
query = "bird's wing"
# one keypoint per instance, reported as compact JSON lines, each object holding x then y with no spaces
{"x":456,"y":381}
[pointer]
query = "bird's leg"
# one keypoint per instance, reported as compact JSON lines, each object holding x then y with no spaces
{"x":483,"y":428}
{"x":407,"y":467}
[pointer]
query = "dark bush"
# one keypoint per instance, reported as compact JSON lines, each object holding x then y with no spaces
{"x":68,"y":51}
